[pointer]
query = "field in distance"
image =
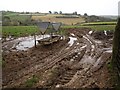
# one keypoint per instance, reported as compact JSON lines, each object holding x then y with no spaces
{"x":65,"y":19}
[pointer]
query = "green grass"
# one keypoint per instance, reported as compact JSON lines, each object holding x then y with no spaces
{"x":16,"y":16}
{"x":18,"y":31}
{"x":94,"y":27}
{"x":101,"y":27}
{"x":98,"y":23}
{"x":10,"y":13}
{"x":20,"y":17}
{"x":31,"y":82}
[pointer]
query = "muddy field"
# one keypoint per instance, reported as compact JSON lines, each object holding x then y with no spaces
{"x":78,"y":60}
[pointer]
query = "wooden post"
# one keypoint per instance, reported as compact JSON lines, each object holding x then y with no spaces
{"x":116,"y":53}
{"x":35,"y":40}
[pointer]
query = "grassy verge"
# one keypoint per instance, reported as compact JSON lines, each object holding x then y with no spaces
{"x":94,"y":27}
{"x":98,"y":23}
{"x":18,"y":31}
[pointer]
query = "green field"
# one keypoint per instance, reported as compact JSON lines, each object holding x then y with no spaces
{"x":98,"y":23}
{"x":20,"y":17}
{"x":18,"y":31}
{"x":95,"y":27}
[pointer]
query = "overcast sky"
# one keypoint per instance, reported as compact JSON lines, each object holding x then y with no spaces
{"x":92,"y":7}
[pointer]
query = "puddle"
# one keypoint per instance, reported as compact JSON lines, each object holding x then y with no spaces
{"x":24,"y":45}
{"x":72,"y":34}
{"x":76,"y":56}
{"x":63,"y":38}
{"x":83,"y":46}
{"x":71,"y":60}
{"x":72,"y":40}
{"x":105,"y":32}
{"x":90,"y":32}
{"x":106,"y":49}
{"x":93,"y":47}
{"x":97,"y":41}
{"x":28,"y":42}
{"x":77,"y":43}
{"x":109,"y":51}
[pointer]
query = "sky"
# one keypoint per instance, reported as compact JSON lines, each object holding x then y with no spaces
{"x":91,"y":7}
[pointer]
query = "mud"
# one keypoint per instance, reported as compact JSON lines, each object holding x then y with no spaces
{"x":78,"y":60}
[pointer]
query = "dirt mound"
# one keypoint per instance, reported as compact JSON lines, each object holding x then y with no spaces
{"x":102,"y":35}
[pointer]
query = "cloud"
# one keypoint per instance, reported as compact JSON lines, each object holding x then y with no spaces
{"x":103,"y":7}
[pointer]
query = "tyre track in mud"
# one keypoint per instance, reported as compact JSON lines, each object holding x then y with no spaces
{"x":83,"y":70}
{"x":32,"y":64}
{"x":92,"y":60}
{"x":69,"y":74}
{"x":50,"y":62}
{"x":70,"y":71}
{"x":85,"y":74}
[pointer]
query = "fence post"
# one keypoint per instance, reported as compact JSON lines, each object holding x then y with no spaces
{"x":35,"y":40}
{"x":116,"y":53}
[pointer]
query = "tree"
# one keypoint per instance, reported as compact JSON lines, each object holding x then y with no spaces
{"x":116,"y":53}
{"x":60,"y":12}
{"x":27,"y":12}
{"x":85,"y":14}
{"x":75,"y":13}
{"x":55,"y":12}
{"x":6,"y":20}
{"x":50,"y":12}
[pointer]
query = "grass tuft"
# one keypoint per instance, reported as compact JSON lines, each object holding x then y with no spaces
{"x":31,"y":82}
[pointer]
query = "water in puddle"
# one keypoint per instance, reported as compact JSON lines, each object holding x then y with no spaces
{"x":24,"y":45}
{"x":93,"y":47}
{"x":97,"y":41}
{"x":105,"y":32}
{"x":28,"y":42}
{"x":72,"y":34}
{"x":90,"y":32}
{"x":72,"y":40}
{"x":109,"y":51}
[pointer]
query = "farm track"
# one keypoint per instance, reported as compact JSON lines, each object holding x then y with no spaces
{"x":65,"y":78}
{"x":82,"y":59}
{"x":45,"y":66}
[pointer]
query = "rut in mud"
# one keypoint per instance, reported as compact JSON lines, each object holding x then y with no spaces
{"x":74,"y":61}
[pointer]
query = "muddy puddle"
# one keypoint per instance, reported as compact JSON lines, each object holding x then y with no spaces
{"x":72,"y":40}
{"x":90,"y":32}
{"x":29,"y":42}
{"x":23,"y":43}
